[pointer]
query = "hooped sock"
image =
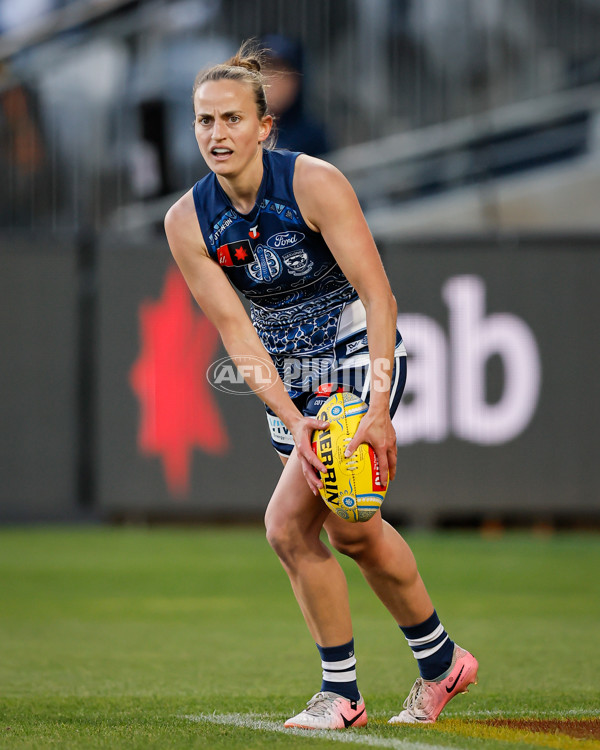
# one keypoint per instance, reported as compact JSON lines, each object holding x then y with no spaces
{"x":339,"y":670}
{"x":431,"y":646}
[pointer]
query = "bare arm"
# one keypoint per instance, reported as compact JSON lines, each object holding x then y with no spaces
{"x":329,"y":205}
{"x":222,"y":306}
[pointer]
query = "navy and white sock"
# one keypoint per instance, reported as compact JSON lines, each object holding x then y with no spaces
{"x":431,"y":646}
{"x":339,"y":670}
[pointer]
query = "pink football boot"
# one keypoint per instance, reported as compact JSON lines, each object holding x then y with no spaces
{"x":427,"y":698}
{"x":330,"y":711}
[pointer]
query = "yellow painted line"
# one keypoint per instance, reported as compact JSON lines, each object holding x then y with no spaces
{"x":539,"y":739}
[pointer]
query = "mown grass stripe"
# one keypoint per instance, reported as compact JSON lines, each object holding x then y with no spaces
{"x":259,"y":722}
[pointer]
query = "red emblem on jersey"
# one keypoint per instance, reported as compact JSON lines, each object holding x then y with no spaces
{"x":327,"y":389}
{"x":254,"y":233}
{"x":177,"y":407}
{"x":235,"y":253}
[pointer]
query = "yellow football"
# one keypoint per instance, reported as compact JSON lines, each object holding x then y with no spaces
{"x":352,"y":487}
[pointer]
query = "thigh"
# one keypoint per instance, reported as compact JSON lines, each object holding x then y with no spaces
{"x":340,"y":532}
{"x":345,"y":534}
{"x":293,"y":504}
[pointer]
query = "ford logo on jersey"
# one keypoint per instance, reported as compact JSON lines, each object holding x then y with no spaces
{"x":283,"y":240}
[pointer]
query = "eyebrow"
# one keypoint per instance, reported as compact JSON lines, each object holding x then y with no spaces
{"x":225,"y":114}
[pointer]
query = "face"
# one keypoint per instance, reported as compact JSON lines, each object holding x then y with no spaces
{"x":228,"y":130}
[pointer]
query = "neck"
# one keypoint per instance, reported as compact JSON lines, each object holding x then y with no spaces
{"x":242,"y":189}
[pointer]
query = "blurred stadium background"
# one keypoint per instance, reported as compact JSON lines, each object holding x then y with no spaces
{"x":471,"y":132}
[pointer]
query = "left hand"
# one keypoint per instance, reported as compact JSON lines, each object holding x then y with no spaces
{"x":377,"y":430}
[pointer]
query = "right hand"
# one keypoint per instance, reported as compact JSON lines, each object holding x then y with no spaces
{"x":311,"y":465}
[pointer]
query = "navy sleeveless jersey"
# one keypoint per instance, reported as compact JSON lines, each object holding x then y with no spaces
{"x":302,"y":305}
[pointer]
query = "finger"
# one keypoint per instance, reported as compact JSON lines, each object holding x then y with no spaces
{"x":317,"y":424}
{"x":315,"y":489}
{"x":353,"y":445}
{"x":316,"y":463}
{"x":312,"y":479}
{"x":311,"y":457}
{"x":382,"y":459}
{"x":392,"y":463}
{"x":311,"y":462}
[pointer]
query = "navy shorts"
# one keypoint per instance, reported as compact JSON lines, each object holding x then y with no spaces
{"x":356,"y":379}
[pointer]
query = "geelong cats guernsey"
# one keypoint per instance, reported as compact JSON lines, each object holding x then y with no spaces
{"x":302,"y":305}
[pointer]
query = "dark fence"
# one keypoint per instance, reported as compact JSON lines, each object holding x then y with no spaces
{"x":371,"y":71}
{"x":107,"y":413}
{"x":38,"y":379}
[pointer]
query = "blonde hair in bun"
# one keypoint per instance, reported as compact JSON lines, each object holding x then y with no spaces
{"x":245,"y":66}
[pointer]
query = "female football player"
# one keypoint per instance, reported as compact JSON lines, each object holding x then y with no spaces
{"x":287,"y":231}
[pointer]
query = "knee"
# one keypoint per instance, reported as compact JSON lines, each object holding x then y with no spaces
{"x":278,"y":534}
{"x":351,"y":546}
{"x":285,"y":539}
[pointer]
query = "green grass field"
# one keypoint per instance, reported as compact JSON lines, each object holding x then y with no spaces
{"x":167,"y":638}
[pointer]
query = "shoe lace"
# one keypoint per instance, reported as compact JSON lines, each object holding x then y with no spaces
{"x":415,"y":703}
{"x":319,"y":705}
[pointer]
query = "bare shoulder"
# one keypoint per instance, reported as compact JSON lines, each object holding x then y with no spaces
{"x":181,"y":226}
{"x":181,"y":211}
{"x":311,"y":173}
{"x":322,"y":191}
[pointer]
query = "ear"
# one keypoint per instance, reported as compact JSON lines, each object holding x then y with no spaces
{"x":266,"y":125}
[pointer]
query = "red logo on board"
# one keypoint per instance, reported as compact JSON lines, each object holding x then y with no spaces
{"x":178,"y":410}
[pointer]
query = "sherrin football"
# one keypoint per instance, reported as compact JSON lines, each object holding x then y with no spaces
{"x":352,"y":487}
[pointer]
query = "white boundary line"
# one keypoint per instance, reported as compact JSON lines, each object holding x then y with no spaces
{"x":260,"y":722}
